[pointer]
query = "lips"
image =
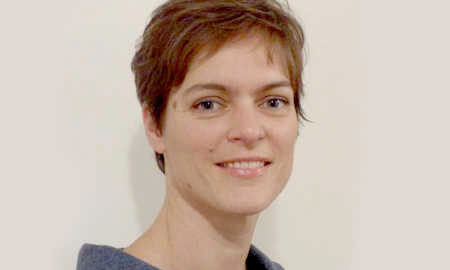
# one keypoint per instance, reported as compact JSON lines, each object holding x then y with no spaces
{"x":253,"y":159}
{"x":243,"y":165}
{"x":245,"y":168}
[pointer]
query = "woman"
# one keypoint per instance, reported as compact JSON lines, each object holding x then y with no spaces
{"x":219,"y":83}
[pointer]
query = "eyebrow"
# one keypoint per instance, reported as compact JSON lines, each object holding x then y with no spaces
{"x":223,"y":88}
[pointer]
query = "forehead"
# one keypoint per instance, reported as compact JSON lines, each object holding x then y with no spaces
{"x":243,"y":59}
{"x":254,"y":44}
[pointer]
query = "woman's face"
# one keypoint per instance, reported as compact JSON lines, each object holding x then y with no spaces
{"x":234,"y":109}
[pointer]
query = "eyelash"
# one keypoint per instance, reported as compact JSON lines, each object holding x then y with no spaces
{"x":197,"y":105}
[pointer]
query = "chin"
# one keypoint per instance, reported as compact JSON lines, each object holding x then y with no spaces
{"x":248,"y":206}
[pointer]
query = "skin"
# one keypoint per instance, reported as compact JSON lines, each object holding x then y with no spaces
{"x":209,"y":216}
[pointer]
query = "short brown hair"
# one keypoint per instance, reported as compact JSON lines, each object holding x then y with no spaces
{"x":180,"y":29}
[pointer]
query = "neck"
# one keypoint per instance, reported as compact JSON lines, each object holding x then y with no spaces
{"x":182,"y":237}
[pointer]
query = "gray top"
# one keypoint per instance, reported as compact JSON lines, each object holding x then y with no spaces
{"x":96,"y":257}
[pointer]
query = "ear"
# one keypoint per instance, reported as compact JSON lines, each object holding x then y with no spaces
{"x":154,"y":136}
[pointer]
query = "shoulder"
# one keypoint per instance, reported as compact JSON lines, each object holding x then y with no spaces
{"x":257,"y":260}
{"x":97,"y":257}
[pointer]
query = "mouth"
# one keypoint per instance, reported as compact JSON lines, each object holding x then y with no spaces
{"x":245,"y":169}
{"x":244,"y":165}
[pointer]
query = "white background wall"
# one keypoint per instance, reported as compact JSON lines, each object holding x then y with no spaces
{"x":370,"y":185}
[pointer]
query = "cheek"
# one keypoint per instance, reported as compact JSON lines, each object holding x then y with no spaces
{"x":285,"y":137}
{"x":193,"y":136}
{"x":286,"y":133}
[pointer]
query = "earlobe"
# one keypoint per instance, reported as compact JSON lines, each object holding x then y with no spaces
{"x":153,"y":134}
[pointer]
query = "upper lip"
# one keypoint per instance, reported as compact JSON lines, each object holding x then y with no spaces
{"x":246,"y":159}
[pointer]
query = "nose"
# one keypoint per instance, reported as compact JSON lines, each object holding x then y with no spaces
{"x":246,"y":126}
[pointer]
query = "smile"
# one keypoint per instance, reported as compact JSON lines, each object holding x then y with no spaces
{"x":244,"y":164}
{"x":245,"y":169}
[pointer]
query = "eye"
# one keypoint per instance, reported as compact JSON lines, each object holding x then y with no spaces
{"x":207,"y":105}
{"x":275,"y":103}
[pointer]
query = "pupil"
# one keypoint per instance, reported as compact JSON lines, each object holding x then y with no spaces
{"x":274,"y":102}
{"x":207,"y":104}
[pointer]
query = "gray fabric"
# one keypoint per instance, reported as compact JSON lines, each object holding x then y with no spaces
{"x":96,"y":257}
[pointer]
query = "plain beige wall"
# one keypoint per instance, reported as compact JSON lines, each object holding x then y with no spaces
{"x":370,"y":184}
{"x":405,"y":202}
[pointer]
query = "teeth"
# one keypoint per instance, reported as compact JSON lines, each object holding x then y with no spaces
{"x":244,"y":165}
